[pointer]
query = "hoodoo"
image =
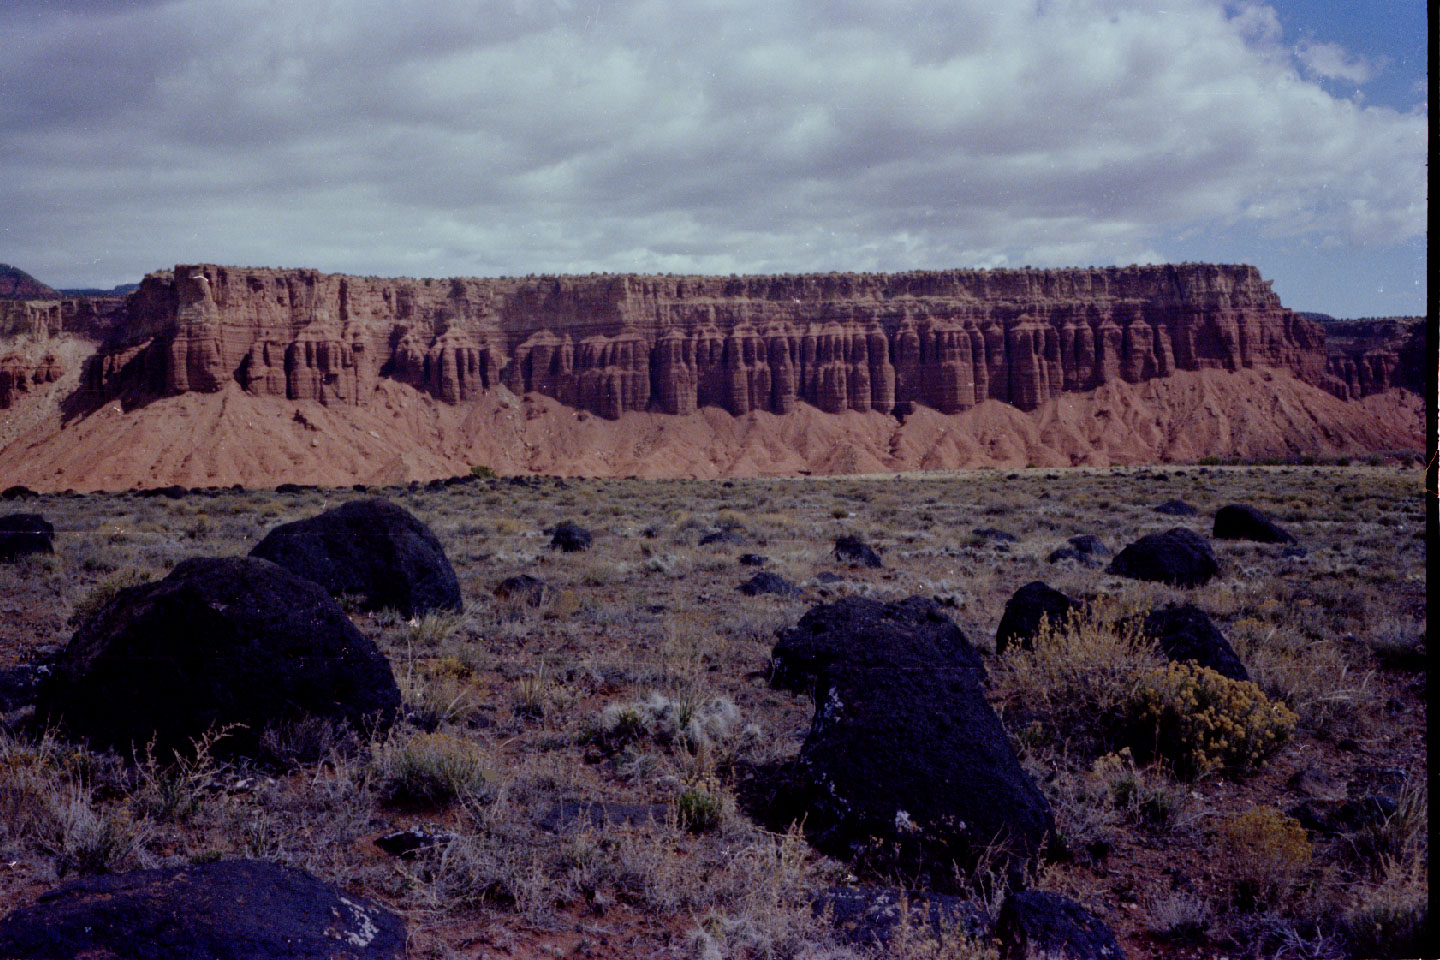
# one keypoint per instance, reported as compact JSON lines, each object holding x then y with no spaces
{"x":611,"y":344}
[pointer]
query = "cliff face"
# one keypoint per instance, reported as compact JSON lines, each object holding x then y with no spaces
{"x":611,"y":344}
{"x":1373,"y":355}
{"x":30,"y":326}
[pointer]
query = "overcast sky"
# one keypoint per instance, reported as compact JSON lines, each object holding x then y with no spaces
{"x":444,"y":137}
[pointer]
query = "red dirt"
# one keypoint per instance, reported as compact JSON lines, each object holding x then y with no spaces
{"x":402,"y":434}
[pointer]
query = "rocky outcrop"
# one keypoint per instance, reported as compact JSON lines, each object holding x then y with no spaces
{"x":612,"y":344}
{"x":18,"y":375}
{"x":1364,"y":357}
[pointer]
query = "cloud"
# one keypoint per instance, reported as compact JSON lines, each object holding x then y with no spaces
{"x":707,"y":136}
{"x":1330,"y":61}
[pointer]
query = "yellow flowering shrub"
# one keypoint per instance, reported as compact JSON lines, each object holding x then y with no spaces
{"x":1264,"y":852}
{"x":1202,"y":720}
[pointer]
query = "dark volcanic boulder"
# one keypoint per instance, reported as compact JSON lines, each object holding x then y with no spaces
{"x":913,"y":633}
{"x":1088,"y":543}
{"x":752,"y":560}
{"x":17,"y":686}
{"x":531,"y":591}
{"x":570,"y":537}
{"x":1184,"y":632}
{"x":17,"y":492}
{"x":1033,"y":602}
{"x":856,"y":552}
{"x":766,"y":582}
{"x":370,"y":548}
{"x":1176,"y":508}
{"x":1178,"y":557}
{"x":722,"y":536}
{"x":907,"y":771}
{"x":217,"y":642}
{"x":870,"y":916}
{"x":24,"y":533}
{"x":1239,"y":522}
{"x":231,"y":910}
{"x":1034,"y":925}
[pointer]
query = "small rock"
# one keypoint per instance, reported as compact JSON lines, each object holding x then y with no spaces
{"x":532,"y":591}
{"x":407,"y":842}
{"x":570,"y":538}
{"x":856,"y":552}
{"x":766,"y":582}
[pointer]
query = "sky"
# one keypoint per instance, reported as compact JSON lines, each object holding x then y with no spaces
{"x":459,"y":138}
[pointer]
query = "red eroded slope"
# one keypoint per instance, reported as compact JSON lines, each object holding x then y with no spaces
{"x":231,"y":436}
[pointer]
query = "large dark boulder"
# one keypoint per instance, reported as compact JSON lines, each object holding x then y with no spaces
{"x":912,"y":633}
{"x":1176,"y":508}
{"x":726,"y":536}
{"x":17,"y":492}
{"x":24,"y":533}
{"x":218,"y":642}
{"x":1036,"y":601}
{"x":1178,"y":557}
{"x":230,"y":910}
{"x":1237,"y":521}
{"x":1035,"y":925}
{"x":570,"y":538}
{"x":1184,"y":632}
{"x":856,"y":552}
{"x":907,"y":771}
{"x":369,"y":548}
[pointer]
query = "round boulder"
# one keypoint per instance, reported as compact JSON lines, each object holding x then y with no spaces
{"x":856,"y":552}
{"x":1176,"y":508}
{"x":219,"y":642}
{"x":1183,"y":632}
{"x":1178,"y":557}
{"x":911,"y":633}
{"x":1036,"y":925}
{"x":1237,"y":521}
{"x":24,"y":533}
{"x":908,"y":771}
{"x":523,"y":588}
{"x":570,"y":538}
{"x":766,"y":582}
{"x":1032,"y":603}
{"x":230,"y":910}
{"x":370,"y":548}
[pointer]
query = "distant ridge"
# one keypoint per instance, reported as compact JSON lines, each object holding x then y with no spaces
{"x":16,"y":284}
{"x":119,"y":290}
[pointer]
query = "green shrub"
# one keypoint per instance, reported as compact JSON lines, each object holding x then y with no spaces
{"x":430,"y":770}
{"x":1392,"y":919}
{"x":483,"y":472}
{"x":700,"y":809}
{"x":1200,"y":720}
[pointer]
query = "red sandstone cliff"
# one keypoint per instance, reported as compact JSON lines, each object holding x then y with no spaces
{"x":611,"y":344}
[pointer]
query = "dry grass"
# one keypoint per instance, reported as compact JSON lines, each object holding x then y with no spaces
{"x":639,"y":681}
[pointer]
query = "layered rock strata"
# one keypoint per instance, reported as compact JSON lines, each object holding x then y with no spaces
{"x":616,"y":343}
{"x":1374,"y":355}
{"x":28,"y":326}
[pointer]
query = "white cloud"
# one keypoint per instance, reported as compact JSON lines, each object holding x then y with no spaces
{"x":1330,"y":61}
{"x":706,"y":136}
